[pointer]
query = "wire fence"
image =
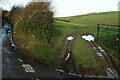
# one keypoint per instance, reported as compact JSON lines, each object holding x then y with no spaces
{"x":109,"y":36}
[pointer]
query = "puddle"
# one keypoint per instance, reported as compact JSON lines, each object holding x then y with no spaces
{"x":99,"y":47}
{"x":67,"y":56}
{"x":20,"y":60}
{"x":101,"y":50}
{"x":12,"y":43}
{"x":99,"y":54}
{"x":94,"y":48}
{"x":74,"y":74}
{"x":60,"y":70}
{"x":88,"y":38}
{"x":70,"y":38}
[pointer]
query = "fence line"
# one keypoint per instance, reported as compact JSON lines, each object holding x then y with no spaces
{"x":109,"y":26}
{"x":98,"y":28}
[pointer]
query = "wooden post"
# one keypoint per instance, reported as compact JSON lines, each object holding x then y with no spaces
{"x":118,"y":44}
{"x":98,"y":31}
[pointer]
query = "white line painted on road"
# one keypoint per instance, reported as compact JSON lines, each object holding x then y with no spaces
{"x":20,"y":60}
{"x":28,"y":68}
{"x":112,"y":73}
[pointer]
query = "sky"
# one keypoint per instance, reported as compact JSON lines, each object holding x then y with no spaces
{"x":65,"y":8}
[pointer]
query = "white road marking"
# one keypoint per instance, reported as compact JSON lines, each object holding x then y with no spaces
{"x":20,"y":60}
{"x":111,"y":73}
{"x":28,"y":68}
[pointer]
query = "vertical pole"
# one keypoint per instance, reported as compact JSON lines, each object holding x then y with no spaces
{"x":98,"y":31}
{"x":118,"y":41}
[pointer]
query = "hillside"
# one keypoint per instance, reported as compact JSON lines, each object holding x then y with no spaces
{"x":94,"y":18}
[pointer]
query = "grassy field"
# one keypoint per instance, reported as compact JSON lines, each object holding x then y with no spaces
{"x":94,"y":19}
{"x":87,"y":25}
{"x":82,"y":56}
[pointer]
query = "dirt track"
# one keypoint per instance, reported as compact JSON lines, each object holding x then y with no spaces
{"x":69,"y":65}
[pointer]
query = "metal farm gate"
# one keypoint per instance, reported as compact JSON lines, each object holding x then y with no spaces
{"x":109,"y":36}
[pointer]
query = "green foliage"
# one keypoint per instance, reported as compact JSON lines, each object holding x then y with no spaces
{"x":83,"y":56}
{"x":35,"y":17}
{"x":34,"y":27}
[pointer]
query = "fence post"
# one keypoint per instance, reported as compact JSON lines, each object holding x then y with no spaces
{"x":118,"y":42}
{"x":98,"y":31}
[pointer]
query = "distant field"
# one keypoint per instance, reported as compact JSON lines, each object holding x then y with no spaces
{"x":94,"y":19}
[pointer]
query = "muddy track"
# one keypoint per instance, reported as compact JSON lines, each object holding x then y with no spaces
{"x":104,"y":57}
{"x":67,"y":61}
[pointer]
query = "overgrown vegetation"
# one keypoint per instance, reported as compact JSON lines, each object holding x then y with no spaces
{"x":33,"y":29}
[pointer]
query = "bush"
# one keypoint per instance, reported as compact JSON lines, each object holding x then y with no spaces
{"x":36,"y":17}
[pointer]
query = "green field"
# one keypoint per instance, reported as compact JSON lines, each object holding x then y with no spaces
{"x":82,"y":56}
{"x":86,"y":24}
{"x":94,"y":19}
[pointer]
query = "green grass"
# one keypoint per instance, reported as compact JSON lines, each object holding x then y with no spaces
{"x":90,"y":21}
{"x":108,"y":41}
{"x":67,"y":18}
{"x":94,"y":19}
{"x":79,"y":26}
{"x":84,"y":54}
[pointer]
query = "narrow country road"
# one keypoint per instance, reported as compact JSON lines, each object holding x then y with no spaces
{"x":16,"y":66}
